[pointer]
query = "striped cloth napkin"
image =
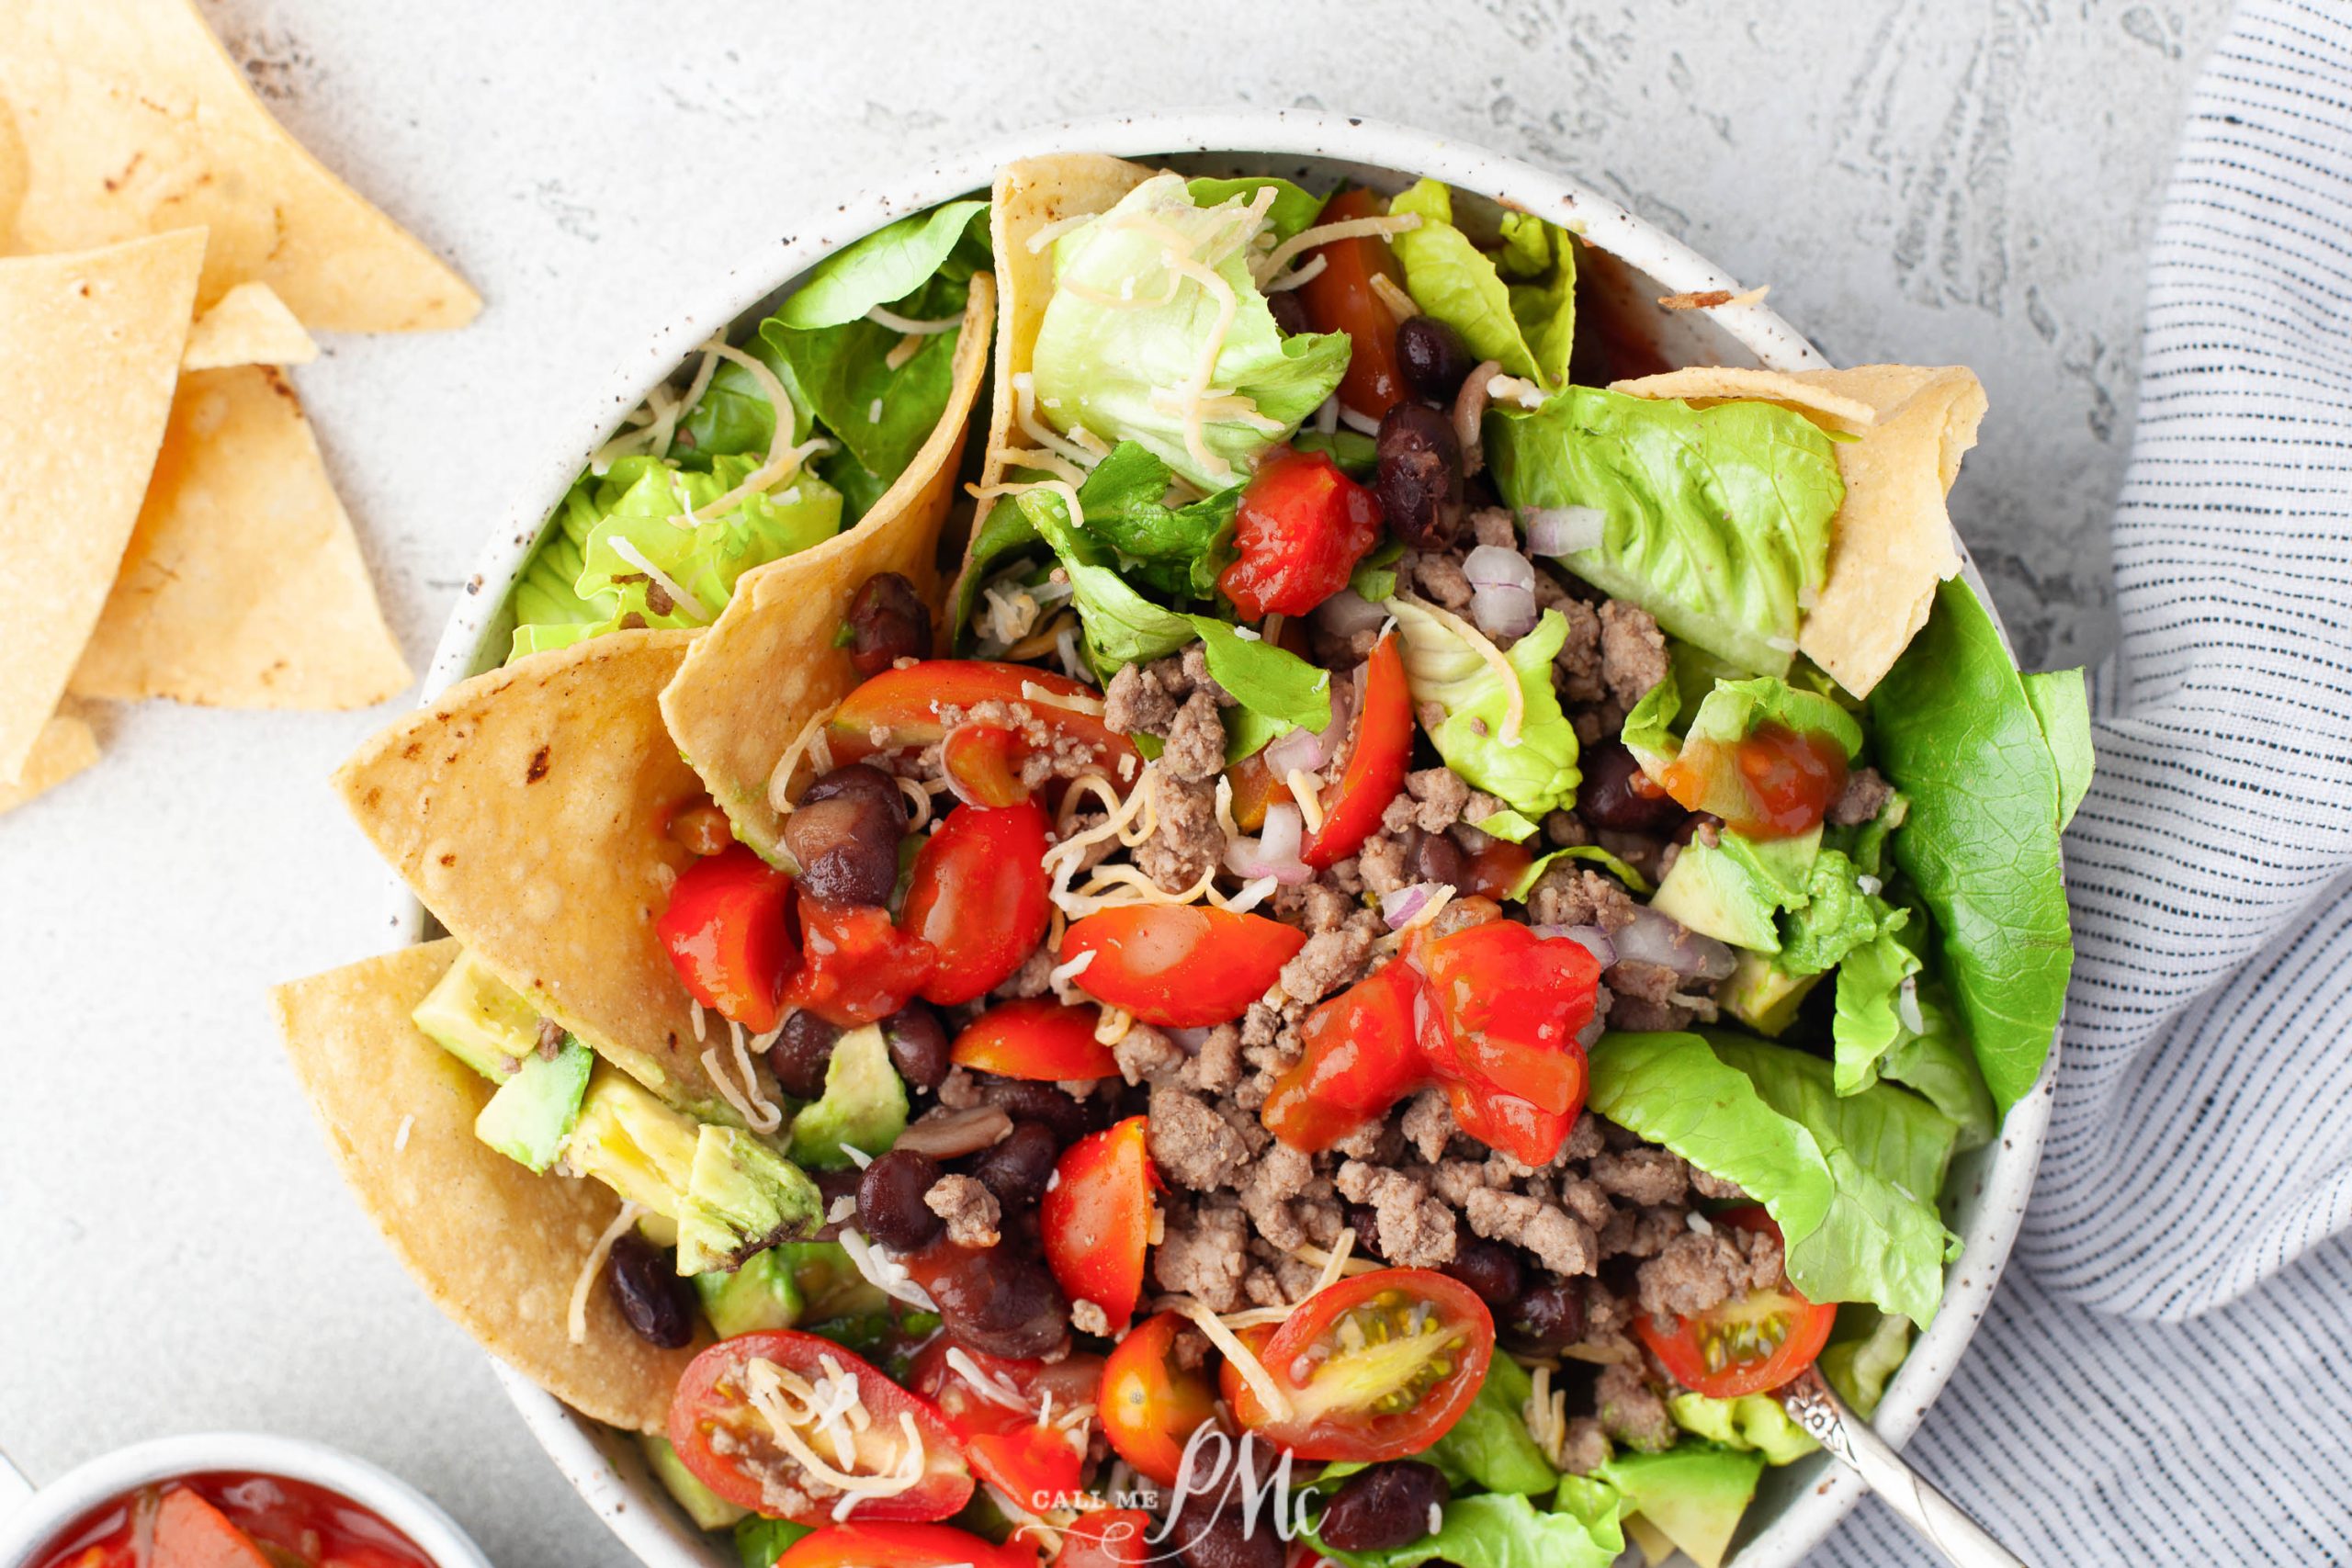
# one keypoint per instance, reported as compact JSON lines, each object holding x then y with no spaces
{"x":2165,"y":1375}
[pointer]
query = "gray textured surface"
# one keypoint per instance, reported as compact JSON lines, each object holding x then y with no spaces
{"x":1935,"y":180}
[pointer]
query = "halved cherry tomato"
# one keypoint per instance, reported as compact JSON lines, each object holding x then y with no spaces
{"x":904,"y":707}
{"x":1301,"y":528}
{"x":861,"y":1545}
{"x":1096,"y":1219}
{"x":1230,"y":1385}
{"x":1035,"y":1037}
{"x":979,"y":897}
{"x":1007,"y":1420}
{"x":1150,"y":1404}
{"x":1361,"y":1054}
{"x":1110,"y":1537}
{"x":1375,"y":770}
{"x":1180,"y":965}
{"x":1374,"y":1367}
{"x":752,"y":1470}
{"x":192,"y":1533}
{"x":980,"y":760}
{"x":1749,"y":1344}
{"x":1512,"y":1003}
{"x":726,"y":930}
{"x":856,"y":966}
{"x":1340,"y":299}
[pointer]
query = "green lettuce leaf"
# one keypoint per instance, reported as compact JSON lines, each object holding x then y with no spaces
{"x":759,"y":1541}
{"x":1498,"y":1531}
{"x":881,"y":415}
{"x":1717,"y":519}
{"x":734,"y":415}
{"x":1833,"y":918}
{"x":1841,"y":1177}
{"x":1293,"y":209}
{"x":1731,"y":712}
{"x":2064,"y":711}
{"x":1755,"y":1421}
{"x":1107,"y":362}
{"x":1527,"y":327}
{"x":1177,"y":552}
{"x":887,"y":266}
{"x":1868,"y":1022}
{"x":1953,"y":727}
{"x":1932,"y":1061}
{"x":1634,"y":880}
{"x":1356,"y":453}
{"x":1537,"y":773}
{"x":1490,"y":1444}
{"x":1864,"y":1354}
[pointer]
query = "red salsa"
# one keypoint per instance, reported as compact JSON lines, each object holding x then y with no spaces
{"x":1791,"y":779}
{"x":232,"y":1519}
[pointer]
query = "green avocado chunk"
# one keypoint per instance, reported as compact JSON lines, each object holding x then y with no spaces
{"x":708,"y":1509}
{"x":533,"y":1113}
{"x":789,"y":1285}
{"x":479,"y":1018}
{"x":635,"y":1145}
{"x":864,"y":1106}
{"x":1764,"y":996}
{"x":742,"y":1197}
{"x":1731,"y":889}
{"x":1694,"y":1494}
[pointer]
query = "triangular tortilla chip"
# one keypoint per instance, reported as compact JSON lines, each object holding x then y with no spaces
{"x":769,"y":663}
{"x":528,"y":807}
{"x":66,"y":744}
{"x":243,"y":586}
{"x":134,"y":121}
{"x":1892,"y":540}
{"x":250,"y":325}
{"x":495,"y":1247}
{"x":89,"y":356}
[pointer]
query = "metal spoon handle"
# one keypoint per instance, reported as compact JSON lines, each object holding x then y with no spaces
{"x":1938,"y":1520}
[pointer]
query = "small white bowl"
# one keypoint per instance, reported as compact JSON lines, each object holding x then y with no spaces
{"x":32,"y":1518}
{"x":1798,"y":1504}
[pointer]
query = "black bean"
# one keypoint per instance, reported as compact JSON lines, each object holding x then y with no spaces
{"x":1366,"y":1220}
{"x":1437,"y":858}
{"x":1017,"y":1169}
{"x":1490,"y":1269}
{"x":918,"y":1042}
{"x":1387,"y":1506}
{"x":1025,"y":1100}
{"x":1610,"y":798}
{"x":1223,"y":1538}
{"x":890,"y":1206}
{"x":1001,"y":1302}
{"x":832,"y":1186}
{"x":844,"y":836}
{"x":1420,"y":482}
{"x":1549,"y":1317}
{"x":887,"y":621}
{"x":802,"y":1053}
{"x":653,"y":1300}
{"x":1290,"y":312}
{"x":1691,"y":826}
{"x":1433,"y":357}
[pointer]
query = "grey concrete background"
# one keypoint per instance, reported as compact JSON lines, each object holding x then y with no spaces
{"x":1930,"y":180}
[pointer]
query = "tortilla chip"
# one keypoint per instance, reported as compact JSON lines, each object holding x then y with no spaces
{"x":66,"y":744}
{"x":250,"y":325}
{"x":134,"y":121}
{"x":1891,"y":541}
{"x":769,"y":663}
{"x":89,"y":357}
{"x":242,"y":585}
{"x":527,"y":808}
{"x":496,"y":1248}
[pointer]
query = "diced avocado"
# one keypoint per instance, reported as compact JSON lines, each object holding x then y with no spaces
{"x":1752,"y":1421}
{"x":1760,"y":996}
{"x":534,"y":1111}
{"x":1731,"y":889}
{"x":864,"y":1106}
{"x":633,"y":1143}
{"x":1654,"y":1545}
{"x":708,"y":1509}
{"x":1694,"y":1493}
{"x":829,"y":1283}
{"x":758,"y":1293}
{"x":742,"y":1197}
{"x":479,"y":1018}
{"x":759,"y":1541}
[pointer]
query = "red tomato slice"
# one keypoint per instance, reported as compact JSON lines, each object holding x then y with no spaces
{"x":1110,"y":1537}
{"x":1038,"y":1463}
{"x":903,"y":708}
{"x":1524,"y":1130}
{"x":862,"y":1545}
{"x":1340,"y":299}
{"x":1375,"y":770}
{"x":192,"y":1533}
{"x":1512,"y":1003}
{"x":1749,"y":1344}
{"x":1301,"y":528}
{"x":857,"y":966}
{"x":1149,"y":1405}
{"x":979,"y":897}
{"x":726,"y":931}
{"x":1180,"y":965}
{"x":1035,"y":1037}
{"x":715,"y":1395}
{"x":980,"y":760}
{"x":1096,"y":1219}
{"x":1374,"y":1367}
{"x":1361,"y":1056}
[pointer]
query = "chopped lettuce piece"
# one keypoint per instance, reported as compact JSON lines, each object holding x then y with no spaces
{"x":1870,"y":994}
{"x":1490,"y":1444}
{"x":1730,"y":713}
{"x":1535,"y":772}
{"x":1634,"y":880}
{"x":1498,"y":1529}
{"x":1717,"y":519}
{"x":1864,"y":1352}
{"x":1292,"y":210}
{"x":1834,"y":918}
{"x":2063,"y":710}
{"x":1526,"y":326}
{"x":1931,"y":1059}
{"x":887,"y":265}
{"x":880,"y":413}
{"x":1507,"y":825}
{"x":1755,"y":1421}
{"x":1356,"y":453}
{"x":759,"y":1541}
{"x":1125,"y":333}
{"x":1174,"y":551}
{"x":1851,"y":1182}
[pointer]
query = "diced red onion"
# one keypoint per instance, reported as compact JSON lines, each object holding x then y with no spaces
{"x":1652,"y":938}
{"x":1590,"y":1035}
{"x":1298,"y":748}
{"x":1346,"y":613}
{"x":1274,"y":852}
{"x":1562,"y":530}
{"x":1188,"y":1041}
{"x":1492,"y":566}
{"x":1506,"y":611}
{"x":1400,"y":905}
{"x":1592,"y":938}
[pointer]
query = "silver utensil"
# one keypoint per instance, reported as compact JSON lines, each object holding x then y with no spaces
{"x":1938,"y":1520}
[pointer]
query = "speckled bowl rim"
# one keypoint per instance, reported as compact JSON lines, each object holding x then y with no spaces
{"x":1813,"y":1495}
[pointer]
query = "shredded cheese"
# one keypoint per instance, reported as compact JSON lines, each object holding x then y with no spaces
{"x":884,"y":1273}
{"x":1515,"y":714}
{"x":906,"y":348}
{"x":911,"y":326}
{"x":1045,"y":696}
{"x":1310,"y":804}
{"x":1515,"y":389}
{"x":1322,"y":234}
{"x":1112,"y":1025}
{"x":693,"y":608}
{"x":1305,"y":271}
{"x":1253,"y":894}
{"x":576,"y":1321}
{"x":760,"y":1113}
{"x":1188,"y":395}
{"x":1073,"y":448}
{"x":1063,"y":973}
{"x":786,"y":1400}
{"x":811,"y":735}
{"x":918,"y":804}
{"x":702,"y":1028}
{"x":1400,"y":304}
{"x":1251,"y":1371}
{"x":401,"y":1133}
{"x":1046,"y":233}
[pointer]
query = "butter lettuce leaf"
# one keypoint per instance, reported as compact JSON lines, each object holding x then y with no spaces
{"x":1864,"y":1352}
{"x":1517,"y":308}
{"x":1536,"y":772}
{"x":1490,"y":1444}
{"x":887,"y":266}
{"x":1499,"y":1530}
{"x":1123,"y":328}
{"x":2060,"y":704}
{"x":1716,"y":520}
{"x":881,"y":413}
{"x":1176,"y":552}
{"x":1755,"y":1421}
{"x":1729,"y":713}
{"x":1292,"y":210}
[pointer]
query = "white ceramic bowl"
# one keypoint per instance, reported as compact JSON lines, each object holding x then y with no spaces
{"x":30,"y":1520}
{"x":1798,"y":1504}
